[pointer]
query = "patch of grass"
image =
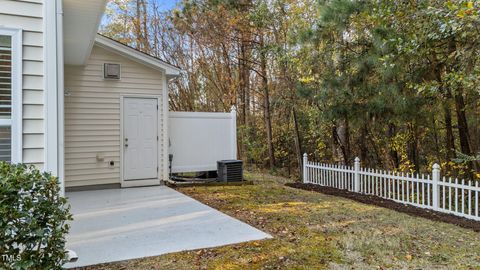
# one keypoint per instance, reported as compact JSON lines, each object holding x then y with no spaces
{"x":317,"y":231}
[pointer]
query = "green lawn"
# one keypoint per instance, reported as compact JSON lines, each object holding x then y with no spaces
{"x":316,"y":231}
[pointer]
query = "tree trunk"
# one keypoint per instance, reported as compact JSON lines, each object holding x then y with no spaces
{"x":266,"y":104}
{"x":243,"y":82}
{"x":438,"y":70}
{"x":145,"y":35}
{"x":449,"y":138}
{"x":435,"y":137}
{"x":244,"y":79}
{"x":298,"y":144}
{"x":395,"y":160}
{"x":412,"y":148}
{"x":136,"y":24}
{"x":362,"y":144}
{"x":463,"y":131}
{"x":343,"y":140}
{"x":462,"y":123}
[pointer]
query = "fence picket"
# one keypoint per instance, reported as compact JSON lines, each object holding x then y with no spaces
{"x":364,"y":179}
{"x":429,"y":202}
{"x":342,"y":186}
{"x":443,"y":193}
{"x":450,"y":195}
{"x":383,"y":184}
{"x":417,"y":190}
{"x":421,"y":190}
{"x":317,"y":174}
{"x":323,"y":175}
{"x":456,"y":195}
{"x":408,"y":187}
{"x":373,"y":182}
{"x":367,"y":181}
{"x":389,"y":185}
{"x":334,"y":176}
{"x":469,"y":199}
{"x":313,"y":172}
{"x":310,"y":175}
{"x":476,"y":199}
{"x":370,"y":181}
{"x":330,"y":175}
{"x":327,"y":183}
{"x":306,"y":171}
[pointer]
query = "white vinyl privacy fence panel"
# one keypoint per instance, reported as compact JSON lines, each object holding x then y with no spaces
{"x":198,"y":140}
{"x":448,"y":195}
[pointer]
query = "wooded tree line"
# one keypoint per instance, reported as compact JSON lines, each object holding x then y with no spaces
{"x":392,"y":82}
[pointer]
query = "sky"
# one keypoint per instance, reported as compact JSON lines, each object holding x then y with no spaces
{"x":167,"y":4}
{"x":164,"y":5}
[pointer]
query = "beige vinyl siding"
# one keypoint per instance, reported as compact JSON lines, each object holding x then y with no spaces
{"x":28,"y":16}
{"x":92,"y":116}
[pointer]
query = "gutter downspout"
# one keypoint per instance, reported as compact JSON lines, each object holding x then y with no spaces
{"x":60,"y":96}
{"x":51,"y":89}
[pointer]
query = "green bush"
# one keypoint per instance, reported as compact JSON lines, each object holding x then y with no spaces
{"x":33,"y":219}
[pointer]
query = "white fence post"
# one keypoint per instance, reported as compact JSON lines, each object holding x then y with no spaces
{"x":233,"y":112}
{"x":357,"y":174}
{"x":305,"y":160}
{"x":435,"y":190}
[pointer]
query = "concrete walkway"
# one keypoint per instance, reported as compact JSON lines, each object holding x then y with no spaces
{"x":121,"y":224}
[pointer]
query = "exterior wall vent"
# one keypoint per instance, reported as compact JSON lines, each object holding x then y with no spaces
{"x":230,"y":170}
{"x":111,"y":71}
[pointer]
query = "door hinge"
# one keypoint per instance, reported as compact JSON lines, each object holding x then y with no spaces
{"x":157,"y":168}
{"x":157,"y":107}
{"x":157,"y":137}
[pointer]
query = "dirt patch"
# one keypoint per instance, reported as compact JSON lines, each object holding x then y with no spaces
{"x":399,"y":207}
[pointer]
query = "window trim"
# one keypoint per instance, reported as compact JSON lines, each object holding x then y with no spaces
{"x":16,"y":120}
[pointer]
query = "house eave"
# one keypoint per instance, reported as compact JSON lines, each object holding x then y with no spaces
{"x":80,"y":22}
{"x":137,"y":56}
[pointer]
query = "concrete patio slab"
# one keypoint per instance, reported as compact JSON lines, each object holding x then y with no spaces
{"x":122,"y":224}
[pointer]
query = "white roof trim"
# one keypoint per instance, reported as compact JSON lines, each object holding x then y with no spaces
{"x":117,"y":47}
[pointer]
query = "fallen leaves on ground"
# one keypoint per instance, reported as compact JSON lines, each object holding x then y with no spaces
{"x":317,"y":231}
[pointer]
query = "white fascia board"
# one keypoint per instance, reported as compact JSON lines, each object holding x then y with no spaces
{"x":81,"y":22}
{"x":92,"y":40}
{"x":142,"y":58}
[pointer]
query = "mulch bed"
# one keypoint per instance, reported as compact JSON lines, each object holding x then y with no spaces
{"x":400,"y":207}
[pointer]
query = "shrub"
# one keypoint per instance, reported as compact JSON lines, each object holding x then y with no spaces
{"x":33,"y":219}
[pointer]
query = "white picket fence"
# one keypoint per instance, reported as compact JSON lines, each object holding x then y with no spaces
{"x":433,"y":192}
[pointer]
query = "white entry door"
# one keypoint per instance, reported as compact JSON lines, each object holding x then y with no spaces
{"x":140,"y":138}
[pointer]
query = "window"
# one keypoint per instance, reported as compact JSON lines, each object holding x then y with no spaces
{"x":10,"y":95}
{"x":5,"y":97}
